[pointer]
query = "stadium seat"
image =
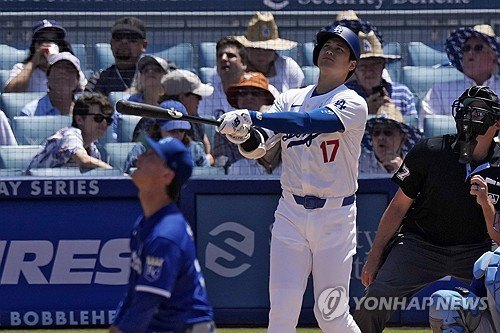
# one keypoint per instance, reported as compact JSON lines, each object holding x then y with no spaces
{"x":116,"y":153}
{"x":411,"y":120}
{"x":435,"y":125}
{"x":207,"y":55}
{"x":126,"y":126}
{"x":210,"y":132}
{"x":420,"y":54}
{"x":307,"y":54}
{"x":292,"y":53}
{"x":103,"y":57}
{"x":211,"y":171}
{"x":34,"y":130}
{"x":17,"y":157}
{"x":181,"y":54}
{"x":9,"y":56}
{"x":74,"y":172}
{"x":393,"y":67}
{"x":311,"y":74}
{"x":4,"y":76}
{"x":206,"y":73}
{"x":115,"y":96}
{"x":421,"y":78}
{"x":13,"y":103}
{"x":81,"y":53}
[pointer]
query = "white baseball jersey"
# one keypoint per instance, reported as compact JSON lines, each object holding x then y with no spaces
{"x":323,"y":164}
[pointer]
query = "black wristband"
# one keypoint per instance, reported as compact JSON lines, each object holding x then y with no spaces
{"x":253,"y":141}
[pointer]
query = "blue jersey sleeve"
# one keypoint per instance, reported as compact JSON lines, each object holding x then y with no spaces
{"x":163,"y":259}
{"x":321,"y":120}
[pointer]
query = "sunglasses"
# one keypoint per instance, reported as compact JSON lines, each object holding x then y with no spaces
{"x":476,"y":48}
{"x":386,"y":132}
{"x":129,"y":36}
{"x":253,"y":92}
{"x":98,"y":118}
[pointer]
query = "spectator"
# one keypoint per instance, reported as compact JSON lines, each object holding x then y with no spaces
{"x":186,"y":87}
{"x":74,"y":145}
{"x":252,"y":93}
{"x":128,"y":42}
{"x":29,"y":75}
{"x":172,"y":128}
{"x":63,"y":83}
{"x":231,"y":64}
{"x":7,"y":137}
{"x":147,"y":84}
{"x":370,"y":85}
{"x":433,"y":225}
{"x":386,"y":141}
{"x":166,"y":291}
{"x":474,"y":52}
{"x":262,"y":41}
{"x":147,"y":88}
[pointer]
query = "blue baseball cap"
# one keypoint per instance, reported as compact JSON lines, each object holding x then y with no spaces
{"x":176,"y":155}
{"x":170,"y":125}
{"x":48,"y":24}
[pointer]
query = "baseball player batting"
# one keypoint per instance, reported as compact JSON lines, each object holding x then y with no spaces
{"x":314,"y":231}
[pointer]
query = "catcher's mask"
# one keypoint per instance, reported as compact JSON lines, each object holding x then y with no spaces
{"x":474,"y":111}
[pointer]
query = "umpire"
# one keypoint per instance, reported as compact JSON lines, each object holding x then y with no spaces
{"x":434,"y":226}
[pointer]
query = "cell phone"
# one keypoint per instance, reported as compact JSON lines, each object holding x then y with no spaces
{"x":378,"y":90}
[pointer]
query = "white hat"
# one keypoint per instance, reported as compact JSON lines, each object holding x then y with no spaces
{"x":181,"y":81}
{"x":53,"y":58}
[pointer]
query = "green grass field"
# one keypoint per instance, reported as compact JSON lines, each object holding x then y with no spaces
{"x":229,"y":330}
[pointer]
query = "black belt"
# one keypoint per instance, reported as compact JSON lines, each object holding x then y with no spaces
{"x":312,"y":202}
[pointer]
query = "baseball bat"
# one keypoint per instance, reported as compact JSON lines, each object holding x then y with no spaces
{"x":151,"y":111}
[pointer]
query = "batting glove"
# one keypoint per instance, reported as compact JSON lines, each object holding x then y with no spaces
{"x":236,"y":123}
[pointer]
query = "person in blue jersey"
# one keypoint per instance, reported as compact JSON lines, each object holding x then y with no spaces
{"x":319,"y":128}
{"x":166,"y":288}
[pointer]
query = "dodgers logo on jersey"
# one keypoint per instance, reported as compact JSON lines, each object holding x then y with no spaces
{"x":152,"y":271}
{"x":307,"y":140}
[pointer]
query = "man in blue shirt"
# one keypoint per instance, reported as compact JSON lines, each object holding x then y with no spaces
{"x":166,"y":288}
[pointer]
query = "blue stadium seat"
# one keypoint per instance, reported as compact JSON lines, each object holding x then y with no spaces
{"x":411,"y":120}
{"x":206,"y":73}
{"x":421,"y":78}
{"x":13,"y":103}
{"x":9,"y":56}
{"x":103,"y":57}
{"x":207,"y":55}
{"x":17,"y":157}
{"x":126,"y":126}
{"x":81,"y":53}
{"x":311,"y":74}
{"x":115,"y":96}
{"x":435,"y":125}
{"x":181,"y":54}
{"x":210,"y":132}
{"x":393,"y":67}
{"x":116,"y":153}
{"x":420,"y":54}
{"x":292,"y":53}
{"x":307,"y":54}
{"x":34,"y":130}
{"x":211,"y":171}
{"x":4,"y":76}
{"x":74,"y":172}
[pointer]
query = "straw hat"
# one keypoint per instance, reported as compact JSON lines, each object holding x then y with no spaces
{"x":372,"y":48}
{"x":262,"y":33}
{"x":455,"y":42}
{"x":388,"y":113}
{"x":348,"y":18}
{"x":249,"y":80}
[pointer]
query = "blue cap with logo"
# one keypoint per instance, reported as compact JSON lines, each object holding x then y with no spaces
{"x":48,"y":24}
{"x":169,"y":125}
{"x":176,"y":155}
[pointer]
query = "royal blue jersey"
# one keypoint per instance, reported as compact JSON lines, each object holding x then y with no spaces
{"x":166,"y":288}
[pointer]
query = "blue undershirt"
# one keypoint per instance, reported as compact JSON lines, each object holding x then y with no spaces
{"x":321,"y":120}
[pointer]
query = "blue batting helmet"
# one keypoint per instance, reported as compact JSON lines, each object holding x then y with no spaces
{"x":344,"y":33}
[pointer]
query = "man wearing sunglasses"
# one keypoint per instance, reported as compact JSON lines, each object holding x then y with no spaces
{"x":74,"y":146}
{"x":386,"y":141}
{"x":474,"y":52}
{"x":442,"y":218}
{"x":128,"y":42}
